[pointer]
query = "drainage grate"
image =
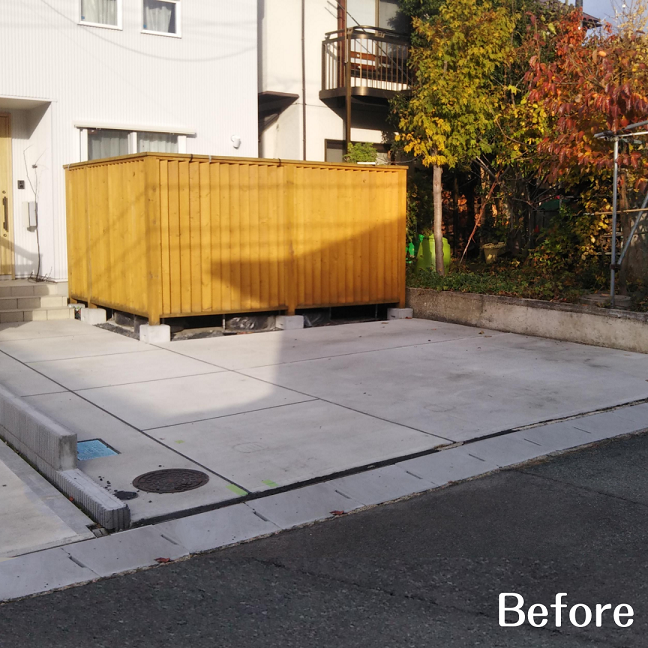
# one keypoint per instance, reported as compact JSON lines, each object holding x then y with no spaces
{"x":171,"y":480}
{"x":94,"y":449}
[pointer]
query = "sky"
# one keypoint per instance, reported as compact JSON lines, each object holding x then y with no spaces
{"x":598,"y":8}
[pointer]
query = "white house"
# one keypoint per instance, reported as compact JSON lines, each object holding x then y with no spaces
{"x":327,"y":69}
{"x":82,"y":79}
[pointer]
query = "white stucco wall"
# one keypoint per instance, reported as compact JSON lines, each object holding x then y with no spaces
{"x":31,"y":145}
{"x":280,"y":71}
{"x":204,"y":82}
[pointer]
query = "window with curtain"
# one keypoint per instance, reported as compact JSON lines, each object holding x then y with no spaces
{"x":103,"y":143}
{"x":161,"y":16}
{"x":389,"y":16}
{"x":157,"y":143}
{"x":361,"y":12}
{"x":101,"y":12}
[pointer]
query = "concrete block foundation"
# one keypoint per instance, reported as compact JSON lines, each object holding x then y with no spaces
{"x":399,"y":313}
{"x":93,"y":316}
{"x":615,"y":329}
{"x":160,"y":334}
{"x":290,"y":322}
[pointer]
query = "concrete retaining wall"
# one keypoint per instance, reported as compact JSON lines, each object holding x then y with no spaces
{"x":571,"y":322}
{"x":53,"y":451}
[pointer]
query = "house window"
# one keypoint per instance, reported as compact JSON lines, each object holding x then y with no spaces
{"x":99,"y":143}
{"x":157,"y":143}
{"x":161,"y":17}
{"x":101,"y":12}
{"x":361,"y":12}
{"x":376,"y":13}
{"x":335,"y":151}
{"x":389,"y":16}
{"x":104,"y":143}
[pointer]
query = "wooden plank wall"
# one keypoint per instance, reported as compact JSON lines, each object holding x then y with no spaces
{"x":106,"y":231}
{"x":176,"y":235}
{"x":223,"y":236}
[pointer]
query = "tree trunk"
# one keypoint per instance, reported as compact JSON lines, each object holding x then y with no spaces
{"x":437,"y":191}
{"x":470,"y":205}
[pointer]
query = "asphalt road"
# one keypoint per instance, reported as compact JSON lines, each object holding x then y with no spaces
{"x":425,"y":572}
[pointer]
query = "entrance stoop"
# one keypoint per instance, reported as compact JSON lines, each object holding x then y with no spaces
{"x":23,"y":300}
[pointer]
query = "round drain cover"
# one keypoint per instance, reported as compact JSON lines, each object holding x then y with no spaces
{"x":171,"y":480}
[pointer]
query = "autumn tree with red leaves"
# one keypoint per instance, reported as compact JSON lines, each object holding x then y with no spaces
{"x":594,"y":83}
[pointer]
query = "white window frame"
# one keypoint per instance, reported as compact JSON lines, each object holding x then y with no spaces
{"x":178,"y":19}
{"x":118,"y":26}
{"x":132,"y":139}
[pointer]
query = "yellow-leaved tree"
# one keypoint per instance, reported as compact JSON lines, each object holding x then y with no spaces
{"x":457,"y":90}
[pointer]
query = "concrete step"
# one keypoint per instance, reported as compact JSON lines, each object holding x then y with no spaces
{"x":22,"y":300}
{"x":41,"y":314}
{"x":32,"y":302}
{"x":26,"y":288}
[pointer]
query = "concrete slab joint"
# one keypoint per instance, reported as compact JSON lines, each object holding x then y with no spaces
{"x":160,"y":334}
{"x":290,"y":322}
{"x":400,"y":313}
{"x":93,"y":316}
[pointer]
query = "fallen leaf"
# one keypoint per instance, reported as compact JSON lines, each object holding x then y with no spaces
{"x":162,"y":560}
{"x":337,"y":512}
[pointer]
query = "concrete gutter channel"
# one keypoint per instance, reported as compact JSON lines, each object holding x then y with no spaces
{"x":52,"y":449}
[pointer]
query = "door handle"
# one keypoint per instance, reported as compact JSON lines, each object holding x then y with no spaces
{"x":5,"y":205}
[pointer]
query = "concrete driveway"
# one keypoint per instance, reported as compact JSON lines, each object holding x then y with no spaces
{"x":262,"y":411}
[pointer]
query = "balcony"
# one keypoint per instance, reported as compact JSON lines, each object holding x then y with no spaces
{"x":364,"y":62}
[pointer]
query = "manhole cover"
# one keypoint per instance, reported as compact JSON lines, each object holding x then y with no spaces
{"x":171,"y":480}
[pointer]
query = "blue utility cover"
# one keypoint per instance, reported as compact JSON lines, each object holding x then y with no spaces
{"x":93,"y":450}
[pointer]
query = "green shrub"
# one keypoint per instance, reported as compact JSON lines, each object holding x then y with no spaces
{"x":361,"y":152}
{"x":573,"y":244}
{"x":508,"y":280}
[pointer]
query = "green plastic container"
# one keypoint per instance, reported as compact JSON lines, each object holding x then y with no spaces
{"x":411,"y":251}
{"x":426,"y":257}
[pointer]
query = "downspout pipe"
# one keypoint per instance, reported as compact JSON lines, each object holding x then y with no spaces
{"x":303,"y":63}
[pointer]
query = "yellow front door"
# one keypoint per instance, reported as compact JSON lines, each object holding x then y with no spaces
{"x":6,"y":212}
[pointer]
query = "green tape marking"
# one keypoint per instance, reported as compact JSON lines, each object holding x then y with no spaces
{"x":179,"y":441}
{"x":237,"y":490}
{"x":269,"y":482}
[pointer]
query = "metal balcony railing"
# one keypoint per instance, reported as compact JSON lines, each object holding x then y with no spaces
{"x":365,"y":60}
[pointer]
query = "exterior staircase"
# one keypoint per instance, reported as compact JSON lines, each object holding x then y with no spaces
{"x":22,"y":300}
